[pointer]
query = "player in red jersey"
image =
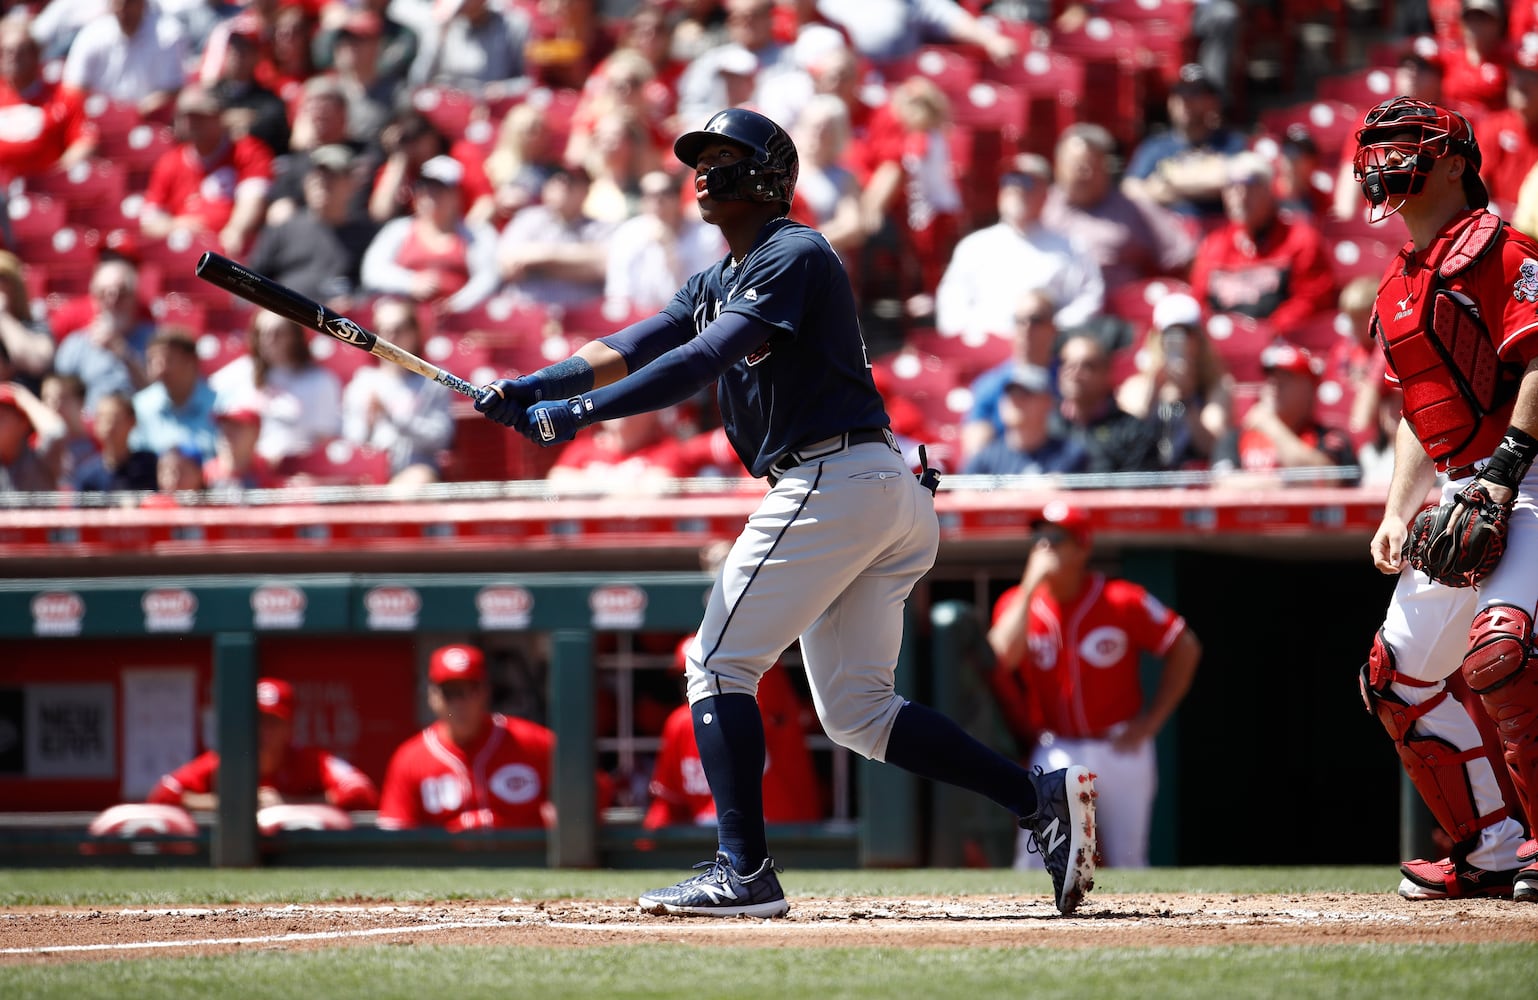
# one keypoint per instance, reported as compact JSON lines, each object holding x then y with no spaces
{"x":286,"y":774}
{"x":1069,"y":642}
{"x":792,"y":792}
{"x":472,"y":768}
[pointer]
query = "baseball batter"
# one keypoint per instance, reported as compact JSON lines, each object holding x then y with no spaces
{"x":1457,"y":318}
{"x":838,"y":541}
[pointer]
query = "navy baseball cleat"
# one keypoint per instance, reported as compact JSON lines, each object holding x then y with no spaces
{"x":1063,"y":831}
{"x":719,"y":891}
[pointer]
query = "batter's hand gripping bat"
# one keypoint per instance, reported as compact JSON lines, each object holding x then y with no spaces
{"x":270,"y":295}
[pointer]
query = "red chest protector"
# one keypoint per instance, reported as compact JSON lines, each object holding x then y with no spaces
{"x":1439,"y":347}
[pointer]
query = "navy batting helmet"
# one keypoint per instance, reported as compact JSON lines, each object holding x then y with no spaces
{"x":767,"y":174}
{"x":1399,"y":142}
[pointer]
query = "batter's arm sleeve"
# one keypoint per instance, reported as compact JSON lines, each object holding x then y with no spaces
{"x":683,"y":371}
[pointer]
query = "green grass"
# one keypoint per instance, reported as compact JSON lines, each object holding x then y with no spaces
{"x":1375,"y":972}
{"x":657,"y":968}
{"x":171,"y":886}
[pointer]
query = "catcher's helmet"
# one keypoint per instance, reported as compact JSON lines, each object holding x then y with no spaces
{"x":767,"y":174}
{"x":1399,"y":142}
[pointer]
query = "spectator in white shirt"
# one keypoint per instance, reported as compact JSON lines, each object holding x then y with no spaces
{"x":651,"y":255}
{"x":133,"y":57}
{"x":397,"y":411}
{"x":992,"y":266}
{"x":299,"y":400}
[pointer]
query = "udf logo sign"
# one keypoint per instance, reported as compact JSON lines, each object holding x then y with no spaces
{"x":278,"y":607}
{"x":57,"y":612}
{"x":169,"y":609}
{"x":504,"y":607}
{"x":618,"y":607}
{"x":392,"y":607}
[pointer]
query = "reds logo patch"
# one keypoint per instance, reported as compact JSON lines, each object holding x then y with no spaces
{"x":1525,"y":288}
{"x":1103,"y":647}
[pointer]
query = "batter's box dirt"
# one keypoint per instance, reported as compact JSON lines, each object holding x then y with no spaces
{"x":38,"y":934}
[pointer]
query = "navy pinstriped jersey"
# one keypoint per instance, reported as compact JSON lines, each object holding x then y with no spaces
{"x":811,"y":379}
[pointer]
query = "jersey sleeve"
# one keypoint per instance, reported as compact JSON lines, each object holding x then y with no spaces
{"x":400,"y":807}
{"x":1515,"y":286}
{"x":346,"y":786}
{"x":778,"y":280}
{"x":1152,"y":626}
{"x":196,"y":776}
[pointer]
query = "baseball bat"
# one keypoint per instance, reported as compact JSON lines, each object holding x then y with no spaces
{"x":284,"y":301}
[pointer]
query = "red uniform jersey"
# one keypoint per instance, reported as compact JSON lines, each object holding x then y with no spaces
{"x":502,"y":781}
{"x":792,"y":793}
{"x":1284,"y":278}
{"x":182,"y":183}
{"x":1500,"y":324}
{"x":1509,"y":147}
{"x":1081,"y":671}
{"x":305,"y":772}
{"x":37,"y":127}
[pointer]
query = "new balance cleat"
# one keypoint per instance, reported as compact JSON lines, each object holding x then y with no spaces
{"x":1447,"y":879}
{"x":1063,"y":832}
{"x":718,"y":891}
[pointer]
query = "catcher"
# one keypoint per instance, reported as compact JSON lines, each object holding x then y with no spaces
{"x":1457,"y":318}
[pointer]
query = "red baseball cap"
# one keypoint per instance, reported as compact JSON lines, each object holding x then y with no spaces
{"x":456,"y":663}
{"x":1284,"y":357}
{"x":1074,"y":520}
{"x":275,"y":697}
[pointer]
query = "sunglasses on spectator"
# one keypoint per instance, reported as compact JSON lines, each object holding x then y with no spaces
{"x":1052,"y":536}
{"x":1026,"y":319}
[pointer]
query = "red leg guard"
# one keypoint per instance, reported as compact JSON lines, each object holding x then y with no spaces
{"x":1435,"y":767}
{"x":1499,"y":669}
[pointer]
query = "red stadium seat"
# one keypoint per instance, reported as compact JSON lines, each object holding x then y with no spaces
{"x":964,"y":358}
{"x":1332,"y":124}
{"x":343,"y":359}
{"x":339,"y":463}
{"x":1135,"y":302}
{"x":137,"y":151}
{"x":1361,"y":88}
{"x":35,"y":218}
{"x":90,"y":190}
{"x":1113,"y":68}
{"x":951,"y":68}
{"x":215,"y":350}
{"x":1052,"y":85}
{"x":1239,"y":341}
{"x":449,"y":110}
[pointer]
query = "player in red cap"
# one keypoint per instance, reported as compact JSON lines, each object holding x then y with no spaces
{"x":792,"y":792}
{"x":286,"y":774}
{"x":472,"y":768}
{"x":1068,"y":642}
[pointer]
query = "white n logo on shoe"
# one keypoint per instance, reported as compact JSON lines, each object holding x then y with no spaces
{"x":1053,"y":838}
{"x":719,"y":893}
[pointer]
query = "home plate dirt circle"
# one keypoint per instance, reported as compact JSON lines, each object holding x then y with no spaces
{"x":30,"y":935}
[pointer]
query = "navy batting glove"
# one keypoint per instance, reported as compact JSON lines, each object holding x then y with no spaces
{"x":507,"y":400}
{"x":555,"y":423}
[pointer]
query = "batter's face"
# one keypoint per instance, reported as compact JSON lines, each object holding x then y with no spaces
{"x":719,"y":213}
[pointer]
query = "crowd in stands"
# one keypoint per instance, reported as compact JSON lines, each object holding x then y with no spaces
{"x":1080,"y":244}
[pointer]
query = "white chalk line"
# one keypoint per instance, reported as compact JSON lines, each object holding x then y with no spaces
{"x":264,"y":939}
{"x":890,"y":921}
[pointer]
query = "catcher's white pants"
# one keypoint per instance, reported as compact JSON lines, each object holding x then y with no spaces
{"x":1127,"y":783}
{"x":1427,"y":627}
{"x":830,"y":556}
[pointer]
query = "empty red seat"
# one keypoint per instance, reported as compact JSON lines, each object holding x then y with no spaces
{"x":449,"y":110}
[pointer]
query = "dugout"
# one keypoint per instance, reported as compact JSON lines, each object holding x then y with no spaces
{"x":1272,"y":735}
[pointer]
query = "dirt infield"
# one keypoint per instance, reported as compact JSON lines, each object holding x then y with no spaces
{"x":52,"y":934}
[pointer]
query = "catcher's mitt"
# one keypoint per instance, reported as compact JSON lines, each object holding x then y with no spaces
{"x":1458,"y":543}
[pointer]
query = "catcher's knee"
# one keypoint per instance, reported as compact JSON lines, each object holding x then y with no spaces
{"x":861,"y":722}
{"x":1500,"y":647}
{"x":1437,"y":768}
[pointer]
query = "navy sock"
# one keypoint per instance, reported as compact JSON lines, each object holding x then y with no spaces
{"x":730,"y":735}
{"x":931,"y":745}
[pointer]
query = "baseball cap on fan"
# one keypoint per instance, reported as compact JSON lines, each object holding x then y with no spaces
{"x":275,"y":698}
{"x":1073,"y":520}
{"x":456,"y":663}
{"x":443,"y":170}
{"x":1281,"y":356}
{"x":1177,"y":309}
